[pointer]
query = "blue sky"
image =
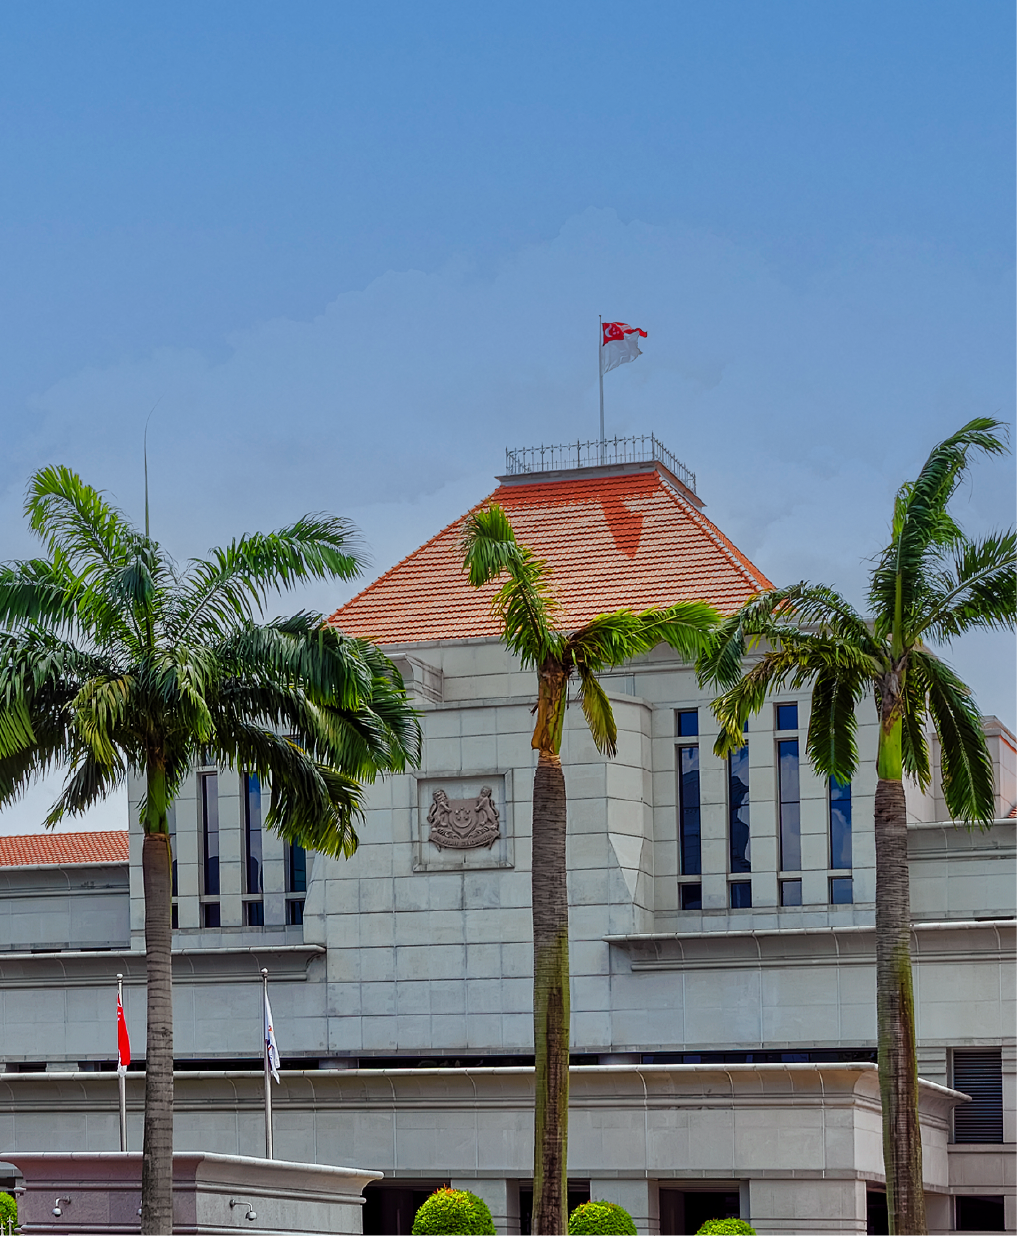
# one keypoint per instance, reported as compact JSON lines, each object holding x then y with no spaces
{"x":356,"y":251}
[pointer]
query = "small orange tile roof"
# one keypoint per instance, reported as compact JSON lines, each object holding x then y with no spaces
{"x":67,"y":849}
{"x":630,"y":540}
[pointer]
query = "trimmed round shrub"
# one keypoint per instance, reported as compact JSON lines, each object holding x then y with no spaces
{"x":606,"y":1217}
{"x":449,"y":1212}
{"x":726,"y":1227}
{"x":8,"y":1210}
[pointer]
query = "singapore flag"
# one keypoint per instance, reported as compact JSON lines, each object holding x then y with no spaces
{"x":619,"y":344}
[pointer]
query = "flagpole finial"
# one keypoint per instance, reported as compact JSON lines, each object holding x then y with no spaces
{"x":120,"y":976}
{"x":264,"y":974}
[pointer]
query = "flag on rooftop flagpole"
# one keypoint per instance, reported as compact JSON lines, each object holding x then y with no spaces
{"x":123,"y":1039}
{"x":270,"y":1043}
{"x":619,"y":344}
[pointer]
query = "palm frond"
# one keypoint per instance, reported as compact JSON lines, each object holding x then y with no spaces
{"x":776,"y":616}
{"x":76,"y":520}
{"x":614,"y":638}
{"x":598,"y":713}
{"x":488,"y":544}
{"x":980,"y":592}
{"x":225,"y":590}
{"x":313,"y":804}
{"x":965,"y":761}
{"x":833,"y":725}
{"x":922,"y":523}
{"x":525,"y":605}
{"x":914,"y":713}
{"x":88,"y":783}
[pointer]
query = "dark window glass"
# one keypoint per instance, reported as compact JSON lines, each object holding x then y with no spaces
{"x":790,"y":892}
{"x":255,"y":912}
{"x":787,"y":716}
{"x":251,"y":784}
{"x":790,"y":806}
{"x":298,"y":869}
{"x":741,"y":895}
{"x":980,"y":1214}
{"x":174,"y":918}
{"x":294,"y":913}
{"x":687,"y":723}
{"x":209,"y":802}
{"x":738,"y":808}
{"x":171,"y":828}
{"x":210,"y":914}
{"x":841,"y":891}
{"x":979,"y":1074}
{"x":688,"y":810}
{"x":692,"y":896}
{"x":840,"y":825}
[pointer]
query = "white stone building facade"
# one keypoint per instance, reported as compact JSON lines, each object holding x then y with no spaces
{"x":721,"y":925}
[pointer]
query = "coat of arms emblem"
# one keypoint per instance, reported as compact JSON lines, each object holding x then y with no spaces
{"x":463,"y":823}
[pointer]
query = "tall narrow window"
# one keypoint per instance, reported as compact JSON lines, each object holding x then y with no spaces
{"x":253,"y":882}
{"x":296,"y":882}
{"x":171,"y":828}
{"x":209,"y":785}
{"x":738,"y":808}
{"x":688,"y":810}
{"x":787,"y":716}
{"x":298,"y":868}
{"x":790,"y":806}
{"x":840,"y":825}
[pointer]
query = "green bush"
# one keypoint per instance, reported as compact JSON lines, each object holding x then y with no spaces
{"x":726,"y":1227}
{"x":8,"y":1210}
{"x":607,"y":1217}
{"x":449,"y":1212}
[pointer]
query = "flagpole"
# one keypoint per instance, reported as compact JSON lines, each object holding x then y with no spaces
{"x":600,"y":370}
{"x":269,"y":1149}
{"x":121,"y":1072}
{"x":600,"y":367}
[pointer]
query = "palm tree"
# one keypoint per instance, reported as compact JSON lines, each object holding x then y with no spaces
{"x":930,"y":584}
{"x":531,"y":617}
{"x":114,"y":661}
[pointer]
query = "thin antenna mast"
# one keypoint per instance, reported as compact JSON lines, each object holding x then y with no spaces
{"x":145,"y":450}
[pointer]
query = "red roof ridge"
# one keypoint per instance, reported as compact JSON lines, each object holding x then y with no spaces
{"x":733,"y":553}
{"x":412,"y":554}
{"x":64,"y":849}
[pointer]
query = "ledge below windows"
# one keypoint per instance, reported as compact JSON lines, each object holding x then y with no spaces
{"x":975,"y":940}
{"x":194,"y":965}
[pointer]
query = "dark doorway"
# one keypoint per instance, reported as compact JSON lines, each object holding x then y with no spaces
{"x":579,"y":1192}
{"x":685,"y":1211}
{"x":389,"y":1209}
{"x":877,"y":1221}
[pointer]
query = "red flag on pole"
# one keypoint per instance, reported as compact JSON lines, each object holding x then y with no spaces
{"x":123,"y":1039}
{"x":619,"y":344}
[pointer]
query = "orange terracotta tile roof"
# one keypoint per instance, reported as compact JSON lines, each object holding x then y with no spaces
{"x":630,"y":540}
{"x":68,"y":849}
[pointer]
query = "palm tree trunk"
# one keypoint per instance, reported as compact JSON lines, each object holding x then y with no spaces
{"x":550,"y":1000}
{"x":157,"y":1163}
{"x":895,"y":1011}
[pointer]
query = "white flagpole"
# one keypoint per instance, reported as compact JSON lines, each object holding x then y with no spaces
{"x":269,"y":1149}
{"x":600,"y":369}
{"x":121,"y":1074}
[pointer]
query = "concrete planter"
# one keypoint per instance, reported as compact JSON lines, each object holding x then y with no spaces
{"x":211,"y":1193}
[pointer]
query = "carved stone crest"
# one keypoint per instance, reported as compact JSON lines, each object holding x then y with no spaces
{"x":463,"y":823}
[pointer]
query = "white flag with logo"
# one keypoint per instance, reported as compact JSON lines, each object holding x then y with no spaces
{"x":619,"y":344}
{"x":270,"y":1043}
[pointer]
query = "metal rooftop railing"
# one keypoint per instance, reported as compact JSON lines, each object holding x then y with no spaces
{"x":640,"y":449}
